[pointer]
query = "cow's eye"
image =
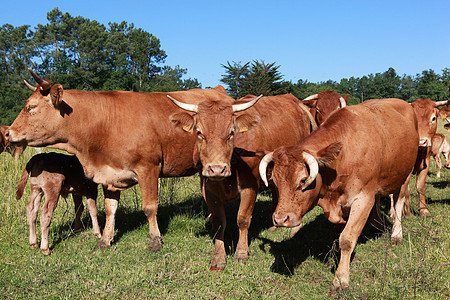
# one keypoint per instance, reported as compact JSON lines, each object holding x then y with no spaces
{"x":301,"y":183}
{"x":433,"y":118}
{"x":30,"y":108}
{"x":200,"y":135}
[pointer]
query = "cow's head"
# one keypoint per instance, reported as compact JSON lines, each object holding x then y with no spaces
{"x":39,"y":119}
{"x":325,"y":103}
{"x":427,"y":114}
{"x":215,"y":124}
{"x":296,"y":175}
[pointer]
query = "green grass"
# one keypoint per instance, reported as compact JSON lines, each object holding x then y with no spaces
{"x":279,"y":267}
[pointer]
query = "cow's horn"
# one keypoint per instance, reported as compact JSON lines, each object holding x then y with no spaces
{"x":312,"y":97}
{"x":33,"y":88}
{"x":244,"y":106}
{"x":185,"y":106}
{"x":263,"y":167}
{"x":441,"y":103}
{"x":313,"y":169}
{"x":45,"y":85}
{"x":343,"y":103}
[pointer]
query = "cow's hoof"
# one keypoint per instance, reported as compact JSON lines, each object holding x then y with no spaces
{"x":242,"y":257}
{"x":102,"y":245}
{"x":34,"y":245}
{"x":338,"y":286}
{"x":98,"y":235}
{"x":46,"y":251}
{"x":155,"y":244}
{"x":425,"y":213}
{"x":217,"y":267}
{"x":396,"y":241}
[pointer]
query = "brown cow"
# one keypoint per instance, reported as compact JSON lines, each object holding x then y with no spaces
{"x":54,"y":175}
{"x":121,"y":139}
{"x":439,"y":145}
{"x":357,"y":155}
{"x":427,"y":113}
{"x":324,"y":103}
{"x":14,"y":150}
{"x":228,"y":137}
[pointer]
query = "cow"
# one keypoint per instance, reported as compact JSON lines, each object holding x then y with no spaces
{"x":324,"y":103}
{"x":120,"y":138}
{"x":53,"y":175}
{"x":14,"y":150}
{"x":439,"y":144}
{"x":427,"y":114}
{"x":229,"y":138}
{"x":359,"y":154}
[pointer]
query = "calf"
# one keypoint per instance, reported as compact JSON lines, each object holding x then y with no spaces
{"x":52,"y":175}
{"x":359,"y":154}
{"x":439,"y":145}
{"x":14,"y":150}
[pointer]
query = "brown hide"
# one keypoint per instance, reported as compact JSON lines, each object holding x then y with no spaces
{"x":427,"y":113}
{"x":324,"y":104}
{"x":52,"y":175}
{"x":363,"y":152}
{"x":233,"y":139}
{"x":121,"y":139}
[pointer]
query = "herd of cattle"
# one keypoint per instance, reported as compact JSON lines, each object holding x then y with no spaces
{"x":318,"y":151}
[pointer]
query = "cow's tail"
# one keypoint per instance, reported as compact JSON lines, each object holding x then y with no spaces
{"x":22,"y":183}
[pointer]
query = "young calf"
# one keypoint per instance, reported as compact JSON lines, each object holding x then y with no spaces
{"x":6,"y":146}
{"x":440,"y":145}
{"x":52,"y":175}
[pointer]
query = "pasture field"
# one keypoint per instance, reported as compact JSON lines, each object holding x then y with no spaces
{"x":279,"y":267}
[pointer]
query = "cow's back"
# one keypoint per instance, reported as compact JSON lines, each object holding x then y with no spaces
{"x":379,"y":144}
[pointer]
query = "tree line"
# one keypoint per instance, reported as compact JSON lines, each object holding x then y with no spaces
{"x":84,"y":54}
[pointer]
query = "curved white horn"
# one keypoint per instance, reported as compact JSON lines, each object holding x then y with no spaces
{"x":343,"y":103}
{"x":185,"y":106}
{"x":33,"y":88}
{"x":244,"y":106}
{"x":441,"y":103}
{"x":263,"y":167}
{"x":312,"y":97}
{"x":313,"y":169}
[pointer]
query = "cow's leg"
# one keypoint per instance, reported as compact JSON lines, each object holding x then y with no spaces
{"x":92,"y":207}
{"x":51,"y":200}
{"x":111,"y":204}
{"x":248,"y":199}
{"x":218,"y":221}
{"x":421,"y":188}
{"x":402,"y":197}
{"x":148,"y":182}
{"x":375,"y":216}
{"x":438,"y":161}
{"x":32,"y":211}
{"x":359,"y":213}
{"x":79,"y":208}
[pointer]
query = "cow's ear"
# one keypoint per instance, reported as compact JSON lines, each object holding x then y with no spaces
{"x":245,"y":122}
{"x":310,"y":103}
{"x":444,"y":112}
{"x":56,"y":94}
{"x":328,"y":154}
{"x":183,"y":120}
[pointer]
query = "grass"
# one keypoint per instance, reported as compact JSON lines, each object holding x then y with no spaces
{"x":279,"y":267}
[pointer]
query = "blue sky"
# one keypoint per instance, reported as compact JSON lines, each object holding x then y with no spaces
{"x":310,"y":40}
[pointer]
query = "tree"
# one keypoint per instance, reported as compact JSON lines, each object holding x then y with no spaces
{"x":235,"y":77}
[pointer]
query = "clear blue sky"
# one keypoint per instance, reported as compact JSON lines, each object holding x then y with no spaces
{"x":310,"y":40}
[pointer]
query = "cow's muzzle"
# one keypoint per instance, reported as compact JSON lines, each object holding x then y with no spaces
{"x":425,"y":142}
{"x":216,"y":171}
{"x":285,"y":220}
